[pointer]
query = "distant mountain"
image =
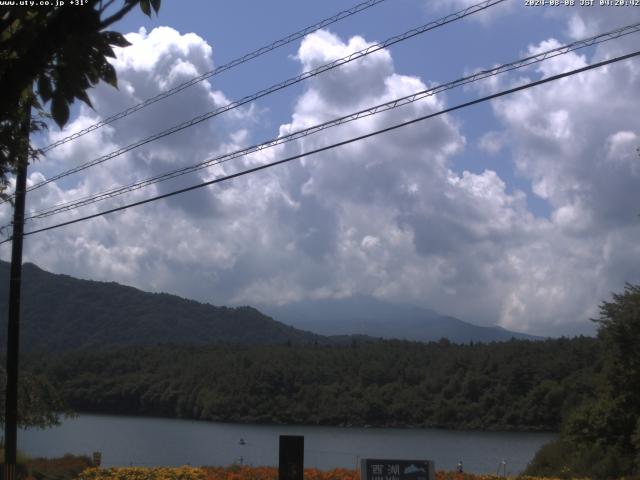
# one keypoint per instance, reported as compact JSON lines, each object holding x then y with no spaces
{"x":60,"y":312}
{"x":368,"y":316}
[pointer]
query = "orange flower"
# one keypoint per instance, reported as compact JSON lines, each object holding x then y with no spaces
{"x":237,"y":472}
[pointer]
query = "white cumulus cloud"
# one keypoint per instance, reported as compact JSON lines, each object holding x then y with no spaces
{"x":388,"y":216}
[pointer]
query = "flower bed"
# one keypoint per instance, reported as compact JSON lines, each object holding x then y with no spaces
{"x":247,"y":473}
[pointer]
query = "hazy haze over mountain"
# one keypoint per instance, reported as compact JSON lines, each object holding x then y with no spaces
{"x":60,"y":312}
{"x":368,"y":316}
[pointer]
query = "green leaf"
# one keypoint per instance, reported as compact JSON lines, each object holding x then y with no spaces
{"x":59,"y":110}
{"x":156,"y":5}
{"x":92,"y":72}
{"x":108,"y":74}
{"x":145,"y":6}
{"x":44,"y":88}
{"x":115,"y":38}
{"x":82,"y":95}
{"x":108,"y":52}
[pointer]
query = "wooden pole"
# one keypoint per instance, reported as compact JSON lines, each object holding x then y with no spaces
{"x":15,"y":282}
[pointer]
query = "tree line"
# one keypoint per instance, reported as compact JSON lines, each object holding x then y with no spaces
{"x":515,"y":385}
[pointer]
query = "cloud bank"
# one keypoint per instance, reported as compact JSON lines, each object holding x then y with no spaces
{"x":389,"y":216}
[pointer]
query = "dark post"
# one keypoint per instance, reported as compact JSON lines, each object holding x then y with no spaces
{"x":291,"y":464}
{"x":13,"y":328}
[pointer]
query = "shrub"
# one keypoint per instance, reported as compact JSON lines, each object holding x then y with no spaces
{"x":68,"y":466}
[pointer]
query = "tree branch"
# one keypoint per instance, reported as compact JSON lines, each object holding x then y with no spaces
{"x":106,"y":5}
{"x":118,"y":15}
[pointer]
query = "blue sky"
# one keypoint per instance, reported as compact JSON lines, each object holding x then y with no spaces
{"x":521,"y":212}
{"x":235,"y":28}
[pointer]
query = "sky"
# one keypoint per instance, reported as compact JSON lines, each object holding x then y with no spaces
{"x":521,"y":212}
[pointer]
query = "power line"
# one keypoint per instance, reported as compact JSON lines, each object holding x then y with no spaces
{"x":111,"y":193}
{"x":227,"y":66}
{"x":335,"y":145}
{"x":287,"y":83}
{"x":291,"y":81}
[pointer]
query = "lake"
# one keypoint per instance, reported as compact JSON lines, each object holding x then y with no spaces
{"x":140,"y":441}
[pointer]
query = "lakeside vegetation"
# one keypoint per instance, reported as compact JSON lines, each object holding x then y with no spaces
{"x":236,"y":472}
{"x":67,"y":467}
{"x":601,"y":437}
{"x":81,"y":467}
{"x":516,"y":385}
{"x":39,"y":402}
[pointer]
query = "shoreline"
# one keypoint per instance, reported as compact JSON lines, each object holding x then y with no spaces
{"x":398,"y":426}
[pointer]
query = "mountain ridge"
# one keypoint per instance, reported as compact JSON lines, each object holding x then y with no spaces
{"x":60,"y":312}
{"x":362,"y":315}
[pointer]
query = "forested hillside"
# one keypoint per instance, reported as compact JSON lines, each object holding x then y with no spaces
{"x":509,"y":385}
{"x":60,"y":312}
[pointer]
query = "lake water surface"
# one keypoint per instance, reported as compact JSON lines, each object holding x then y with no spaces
{"x":158,"y":441}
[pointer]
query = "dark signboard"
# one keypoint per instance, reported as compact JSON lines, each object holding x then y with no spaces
{"x":377,"y":469}
{"x":291,"y":464}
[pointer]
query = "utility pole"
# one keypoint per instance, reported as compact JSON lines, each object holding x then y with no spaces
{"x":13,"y":329}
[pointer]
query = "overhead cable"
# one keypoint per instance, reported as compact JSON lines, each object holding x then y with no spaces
{"x":227,"y":66}
{"x":335,"y":145}
{"x":287,"y":83}
{"x":398,"y":102}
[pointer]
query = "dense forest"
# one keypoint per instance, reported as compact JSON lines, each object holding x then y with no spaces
{"x":519,"y":384}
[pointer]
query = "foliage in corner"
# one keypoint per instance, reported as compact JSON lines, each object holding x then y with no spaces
{"x":601,"y":438}
{"x":58,"y":54}
{"x":50,"y":56}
